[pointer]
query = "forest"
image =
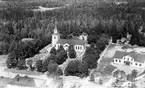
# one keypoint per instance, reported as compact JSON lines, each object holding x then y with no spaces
{"x":100,"y":20}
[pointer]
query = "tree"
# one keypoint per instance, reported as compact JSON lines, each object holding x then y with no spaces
{"x":39,"y":65}
{"x":129,"y":77}
{"x":52,"y":68}
{"x":83,"y":69}
{"x":134,"y":74}
{"x":53,"y":51}
{"x":12,"y":46}
{"x":59,"y":71}
{"x":102,"y":42}
{"x":72,"y":52}
{"x":21,"y":64}
{"x":90,"y":60}
{"x":100,"y":81}
{"x":92,"y":78}
{"x":90,"y":50}
{"x":45,"y":65}
{"x":4,"y":46}
{"x":11,"y":61}
{"x":29,"y":63}
{"x":72,"y":68}
{"x":60,"y":49}
{"x":61,"y":57}
{"x":115,"y":73}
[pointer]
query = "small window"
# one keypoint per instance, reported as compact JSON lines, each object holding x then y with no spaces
{"x":54,"y":37}
{"x":119,"y":60}
{"x":128,"y":58}
{"x":139,"y":64}
{"x":136,"y":64}
{"x":116,"y":60}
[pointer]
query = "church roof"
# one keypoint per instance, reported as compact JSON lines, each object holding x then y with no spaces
{"x":71,"y":41}
{"x":138,"y":57}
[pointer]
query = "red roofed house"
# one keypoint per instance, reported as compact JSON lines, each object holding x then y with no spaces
{"x":79,"y":44}
{"x":26,"y":82}
{"x":130,"y":58}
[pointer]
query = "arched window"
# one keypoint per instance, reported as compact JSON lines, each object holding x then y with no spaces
{"x":116,"y":60}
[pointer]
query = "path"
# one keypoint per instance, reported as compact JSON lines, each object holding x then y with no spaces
{"x":104,"y":52}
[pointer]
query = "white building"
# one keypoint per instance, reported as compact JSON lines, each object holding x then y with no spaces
{"x":26,"y":82}
{"x":79,"y":44}
{"x":130,"y":59}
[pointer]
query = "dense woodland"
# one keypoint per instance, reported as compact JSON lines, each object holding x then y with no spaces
{"x":99,"y":20}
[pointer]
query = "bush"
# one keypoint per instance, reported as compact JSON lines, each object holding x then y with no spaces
{"x":39,"y":65}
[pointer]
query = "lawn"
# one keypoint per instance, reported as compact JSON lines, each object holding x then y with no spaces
{"x":104,"y":67}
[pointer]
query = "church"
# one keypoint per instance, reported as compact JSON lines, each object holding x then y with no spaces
{"x":79,"y":43}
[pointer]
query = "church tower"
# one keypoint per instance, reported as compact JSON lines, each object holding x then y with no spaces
{"x":55,"y":36}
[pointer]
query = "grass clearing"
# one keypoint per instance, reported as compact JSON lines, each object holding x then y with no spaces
{"x":104,"y":67}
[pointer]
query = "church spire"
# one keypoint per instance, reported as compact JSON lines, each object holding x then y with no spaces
{"x":55,"y":30}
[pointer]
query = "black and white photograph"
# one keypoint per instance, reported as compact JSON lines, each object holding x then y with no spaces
{"x":72,"y":43}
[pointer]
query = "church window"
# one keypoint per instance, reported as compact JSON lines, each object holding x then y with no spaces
{"x":116,"y":60}
{"x":135,"y":63}
{"x":139,"y":64}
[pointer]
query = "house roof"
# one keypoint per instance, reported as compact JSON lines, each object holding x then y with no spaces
{"x":23,"y":81}
{"x":71,"y":41}
{"x":27,"y":82}
{"x":138,"y":57}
